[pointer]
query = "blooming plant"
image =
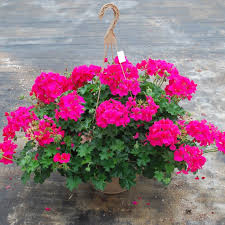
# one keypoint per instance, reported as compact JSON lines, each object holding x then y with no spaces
{"x":98,"y":123}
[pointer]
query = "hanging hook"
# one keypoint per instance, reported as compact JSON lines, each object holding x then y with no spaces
{"x":110,"y":38}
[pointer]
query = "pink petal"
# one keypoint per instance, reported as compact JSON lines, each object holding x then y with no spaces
{"x":134,"y":202}
{"x":47,"y":209}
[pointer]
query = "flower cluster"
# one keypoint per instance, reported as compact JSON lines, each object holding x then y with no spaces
{"x":63,"y":158}
{"x":7,"y":149}
{"x":142,"y":111}
{"x":17,"y":120}
{"x":163,"y":132}
{"x":181,"y":87}
{"x":49,"y":86}
{"x":70,"y":107}
{"x":44,"y":131}
{"x":220,"y":141}
{"x":201,"y":132}
{"x":121,"y":78}
{"x":112,"y":112}
{"x":178,"y":86}
{"x":192,"y":155}
{"x":157,"y":67}
{"x":82,"y":74}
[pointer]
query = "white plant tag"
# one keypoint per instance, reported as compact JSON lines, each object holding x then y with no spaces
{"x":121,"y":56}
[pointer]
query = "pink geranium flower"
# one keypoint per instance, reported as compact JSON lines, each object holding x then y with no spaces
{"x":47,"y":209}
{"x":70,"y":107}
{"x":163,"y":132}
{"x":36,"y":156}
{"x":136,"y":136}
{"x":112,"y":112}
{"x":143,"y":112}
{"x":49,"y":86}
{"x":181,"y":87}
{"x":63,"y":158}
{"x":17,"y":120}
{"x":57,"y":157}
{"x":135,"y":203}
{"x":203,"y":133}
{"x":7,"y":149}
{"x":220,"y":141}
{"x":157,"y":67}
{"x":121,"y":78}
{"x":82,"y":74}
{"x":44,"y":131}
{"x":192,"y":155}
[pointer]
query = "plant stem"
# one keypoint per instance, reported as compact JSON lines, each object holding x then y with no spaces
{"x":163,"y":79}
{"x":7,"y":158}
{"x":99,"y":92}
{"x":211,"y":150}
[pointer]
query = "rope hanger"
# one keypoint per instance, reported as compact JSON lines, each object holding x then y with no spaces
{"x":110,"y":37}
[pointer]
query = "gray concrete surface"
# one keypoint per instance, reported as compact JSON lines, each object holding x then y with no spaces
{"x":41,"y":35}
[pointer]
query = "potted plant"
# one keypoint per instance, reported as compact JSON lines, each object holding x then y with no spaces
{"x":134,"y":126}
{"x":100,"y":125}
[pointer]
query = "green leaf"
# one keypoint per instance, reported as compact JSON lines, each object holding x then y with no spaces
{"x":136,"y":146}
{"x":27,"y":162}
{"x":149,"y":171}
{"x":169,"y":168}
{"x":118,"y":145}
{"x":67,"y":140}
{"x":142,"y":161}
{"x":99,"y":184}
{"x":29,"y":145}
{"x":50,"y":150}
{"x":76,"y":163}
{"x":174,"y":109}
{"x":21,"y":97}
{"x":84,"y":149}
{"x":106,"y":153}
{"x":25,"y":177}
{"x":159,"y":175}
{"x":83,"y":90}
{"x":136,"y":149}
{"x":168,"y":156}
{"x":127,"y":183}
{"x":166,"y":180}
{"x":42,"y":174}
{"x":32,"y":166}
{"x":46,"y":161}
{"x":73,"y":182}
{"x":108,"y":164}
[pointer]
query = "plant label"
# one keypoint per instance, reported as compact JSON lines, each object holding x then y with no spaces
{"x":121,"y":56}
